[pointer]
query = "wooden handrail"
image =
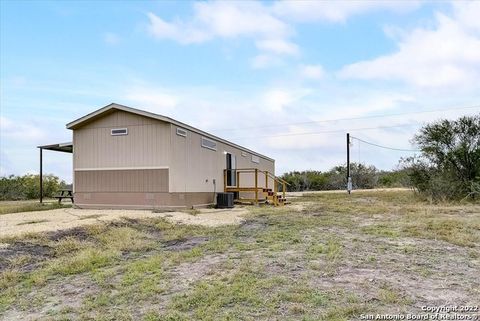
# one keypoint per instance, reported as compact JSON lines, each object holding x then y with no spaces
{"x":252,"y":170}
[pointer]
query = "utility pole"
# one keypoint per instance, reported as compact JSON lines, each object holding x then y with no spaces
{"x":41,"y":175}
{"x":349,"y":179}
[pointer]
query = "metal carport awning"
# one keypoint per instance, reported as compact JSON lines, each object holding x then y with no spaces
{"x":60,"y":147}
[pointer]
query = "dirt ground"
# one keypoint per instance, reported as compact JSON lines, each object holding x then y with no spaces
{"x":371,"y":190}
{"x":327,"y":256}
{"x":65,"y":218}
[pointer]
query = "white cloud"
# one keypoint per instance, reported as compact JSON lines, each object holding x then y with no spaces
{"x":320,"y":132}
{"x":21,"y":131}
{"x":467,"y":14}
{"x":231,"y":19}
{"x":270,"y":26}
{"x":290,"y":139}
{"x":444,"y":56}
{"x":221,"y":19}
{"x":177,"y":31}
{"x":336,"y":11}
{"x":278,"y":46}
{"x":276,"y":100}
{"x":365,"y":103}
{"x":312,"y":71}
{"x":111,"y":38}
{"x":152,"y":98}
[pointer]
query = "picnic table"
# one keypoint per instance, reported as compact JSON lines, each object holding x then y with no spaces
{"x":65,"y":193}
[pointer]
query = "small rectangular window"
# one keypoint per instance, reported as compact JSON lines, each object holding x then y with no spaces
{"x":255,"y":159}
{"x":244,"y":154}
{"x":118,"y":131}
{"x":210,"y":144}
{"x":181,"y":132}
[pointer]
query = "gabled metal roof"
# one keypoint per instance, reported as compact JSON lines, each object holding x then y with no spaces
{"x":114,"y":106}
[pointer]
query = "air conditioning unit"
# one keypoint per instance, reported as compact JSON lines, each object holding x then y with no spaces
{"x":224,"y":200}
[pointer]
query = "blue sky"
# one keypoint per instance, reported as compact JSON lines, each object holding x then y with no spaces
{"x":239,"y":70}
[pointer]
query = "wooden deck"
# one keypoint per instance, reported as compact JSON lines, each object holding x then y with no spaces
{"x":263,"y":194}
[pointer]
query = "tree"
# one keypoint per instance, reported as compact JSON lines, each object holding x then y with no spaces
{"x":305,"y":180}
{"x":450,"y":157}
{"x":28,"y":186}
{"x":363,"y":176}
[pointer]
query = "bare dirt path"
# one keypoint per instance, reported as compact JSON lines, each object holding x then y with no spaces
{"x":372,"y":190}
{"x":16,"y":224}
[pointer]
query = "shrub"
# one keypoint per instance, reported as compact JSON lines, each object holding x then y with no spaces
{"x":28,"y":186}
{"x":363,"y":176}
{"x":449,"y":167}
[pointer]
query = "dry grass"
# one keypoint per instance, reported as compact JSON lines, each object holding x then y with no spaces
{"x":7,"y":207}
{"x":327,"y":257}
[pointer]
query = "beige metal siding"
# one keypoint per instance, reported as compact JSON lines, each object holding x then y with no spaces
{"x":248,"y":179}
{"x":193,"y":167}
{"x":118,"y":118}
{"x":147,"y":142}
{"x":133,"y":181}
{"x":178,"y":164}
{"x":152,"y":165}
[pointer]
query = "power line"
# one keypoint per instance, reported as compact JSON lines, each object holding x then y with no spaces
{"x":351,"y":118}
{"x":386,"y":147}
{"x":324,"y":132}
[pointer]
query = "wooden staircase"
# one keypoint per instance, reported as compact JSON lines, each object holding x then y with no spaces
{"x":274,"y":198}
{"x":257,"y":194}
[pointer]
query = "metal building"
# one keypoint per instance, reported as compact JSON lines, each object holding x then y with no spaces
{"x":129,"y":158}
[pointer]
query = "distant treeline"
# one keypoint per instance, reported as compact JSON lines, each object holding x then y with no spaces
{"x":447,"y":168}
{"x":26,"y":187}
{"x":363,"y":177}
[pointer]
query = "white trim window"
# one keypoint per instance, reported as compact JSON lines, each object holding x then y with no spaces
{"x":255,"y":159}
{"x":118,"y":131}
{"x":208,"y":143}
{"x":181,"y":132}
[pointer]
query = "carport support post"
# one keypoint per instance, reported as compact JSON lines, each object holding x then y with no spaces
{"x":41,"y":175}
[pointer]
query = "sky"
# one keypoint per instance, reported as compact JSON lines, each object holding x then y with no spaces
{"x":287,"y":79}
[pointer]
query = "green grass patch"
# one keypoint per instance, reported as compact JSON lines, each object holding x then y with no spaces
{"x":390,"y":296}
{"x":84,"y":260}
{"x":331,"y":250}
{"x":125,"y":239}
{"x":382,"y":230}
{"x":229,"y":296}
{"x":457,"y":231}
